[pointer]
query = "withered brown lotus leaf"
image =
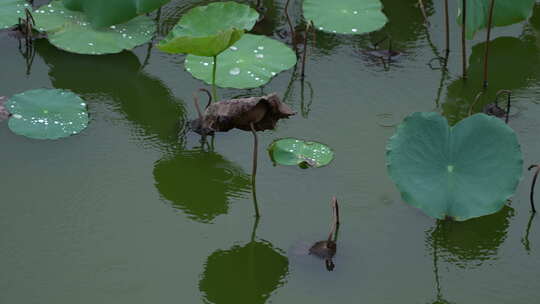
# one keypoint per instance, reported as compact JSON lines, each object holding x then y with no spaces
{"x":222,"y":116}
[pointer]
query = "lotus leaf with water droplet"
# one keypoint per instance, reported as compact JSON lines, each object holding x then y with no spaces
{"x":345,"y":16}
{"x":11,"y":11}
{"x":102,"y":13}
{"x":505,"y":12}
{"x":47,"y":114}
{"x":209,"y":30}
{"x":249,"y":63}
{"x":461,"y":172}
{"x":72,"y":31}
{"x":292,"y":152}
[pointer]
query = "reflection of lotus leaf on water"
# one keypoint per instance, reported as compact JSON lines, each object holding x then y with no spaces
{"x":247,"y":274}
{"x":200,"y":183}
{"x":473,"y":242}
{"x":504,"y":74}
{"x":142,"y":99}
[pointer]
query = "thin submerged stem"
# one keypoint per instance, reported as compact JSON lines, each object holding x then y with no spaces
{"x":214,"y":69}
{"x":509,"y":97}
{"x":464,"y":38}
{"x":533,"y":184}
{"x":525,"y":240}
{"x":476,"y":99}
{"x":291,"y":28}
{"x":423,"y":10}
{"x":309,"y":27}
{"x":254,"y":169}
{"x":488,"y":36}
{"x":447,"y":27}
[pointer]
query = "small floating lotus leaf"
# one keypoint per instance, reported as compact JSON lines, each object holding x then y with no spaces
{"x":345,"y":16}
{"x":263,"y":112}
{"x":47,"y":114}
{"x":249,"y":63}
{"x":505,"y":12}
{"x":11,"y":11}
{"x":462,"y":172}
{"x":4,"y":114}
{"x":209,"y":30}
{"x":292,"y":151}
{"x":71,"y":31}
{"x":102,"y":13}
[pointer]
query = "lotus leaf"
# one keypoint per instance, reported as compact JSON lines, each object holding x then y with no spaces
{"x":505,"y":12}
{"x":249,"y":63}
{"x":71,"y":31}
{"x":102,"y":13}
{"x":11,"y":11}
{"x":345,"y":16}
{"x":291,"y":152}
{"x":209,"y":30}
{"x":461,"y":172}
{"x":47,"y":114}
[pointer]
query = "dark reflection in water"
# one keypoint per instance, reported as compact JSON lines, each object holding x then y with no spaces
{"x":245,"y":274}
{"x":406,"y":23}
{"x":525,"y":240}
{"x":200,"y":183}
{"x":470,"y":243}
{"x":142,"y":99}
{"x":270,"y":21}
{"x":513,"y":64}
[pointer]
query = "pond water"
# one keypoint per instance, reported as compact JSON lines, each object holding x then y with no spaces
{"x":133,"y":210}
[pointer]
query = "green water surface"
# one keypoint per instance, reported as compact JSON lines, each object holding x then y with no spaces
{"x":134,"y":210}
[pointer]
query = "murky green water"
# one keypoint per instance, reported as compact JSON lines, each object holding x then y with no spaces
{"x":134,"y":211}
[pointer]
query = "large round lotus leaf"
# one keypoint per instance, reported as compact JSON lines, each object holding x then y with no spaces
{"x":249,"y":63}
{"x":11,"y":11}
{"x":71,"y":31}
{"x":102,"y":13}
{"x":291,"y":152}
{"x":345,"y":16}
{"x":505,"y":12}
{"x":47,"y":114}
{"x":209,"y":30}
{"x":462,"y":172}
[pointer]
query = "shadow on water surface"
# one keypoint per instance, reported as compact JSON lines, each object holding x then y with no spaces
{"x":246,"y":274}
{"x":470,"y":243}
{"x":514,"y":64}
{"x":140,"y":98}
{"x":200,"y":183}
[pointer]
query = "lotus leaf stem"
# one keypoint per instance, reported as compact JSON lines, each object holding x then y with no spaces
{"x":254,"y":169}
{"x":447,"y":27}
{"x":464,"y":38}
{"x":214,"y":68}
{"x":533,"y":184}
{"x":309,"y":27}
{"x":291,"y":28}
{"x":332,"y":236}
{"x":423,"y":10}
{"x":488,"y":36}
{"x":476,"y":99}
